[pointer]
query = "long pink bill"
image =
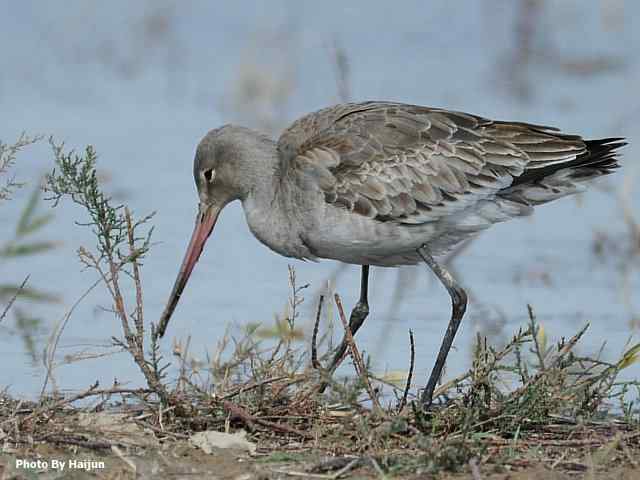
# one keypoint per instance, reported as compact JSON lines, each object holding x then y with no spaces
{"x":205,"y":222}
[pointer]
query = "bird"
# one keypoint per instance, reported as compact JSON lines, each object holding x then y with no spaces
{"x":385,"y":184}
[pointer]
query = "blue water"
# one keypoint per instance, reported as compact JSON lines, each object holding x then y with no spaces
{"x":143,"y":82}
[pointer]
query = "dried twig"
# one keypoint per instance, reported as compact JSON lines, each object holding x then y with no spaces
{"x":241,"y":413}
{"x":13,"y":299}
{"x":554,"y":362}
{"x":314,"y":338}
{"x":252,"y":386}
{"x":50,"y":351}
{"x":405,"y":394}
{"x":91,"y":391}
{"x":139,"y":314}
{"x":535,"y":330}
{"x":135,"y":343}
{"x":361,"y":369}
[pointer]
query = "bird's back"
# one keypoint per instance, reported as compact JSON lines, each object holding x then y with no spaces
{"x":413,"y":167}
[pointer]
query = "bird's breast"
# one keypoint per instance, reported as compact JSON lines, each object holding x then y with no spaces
{"x":277,"y":230}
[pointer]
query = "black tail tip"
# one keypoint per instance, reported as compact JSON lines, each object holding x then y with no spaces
{"x":603,"y":153}
{"x":604,"y":146}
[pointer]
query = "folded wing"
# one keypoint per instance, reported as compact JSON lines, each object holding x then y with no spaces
{"x":412,"y":164}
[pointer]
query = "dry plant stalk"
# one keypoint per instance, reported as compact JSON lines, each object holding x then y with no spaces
{"x":358,"y":362}
{"x":315,"y":363}
{"x":13,"y":299}
{"x":412,"y":363}
{"x":48,"y":358}
{"x":249,"y":419}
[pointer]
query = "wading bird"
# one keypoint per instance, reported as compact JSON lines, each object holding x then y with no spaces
{"x":385,"y":184}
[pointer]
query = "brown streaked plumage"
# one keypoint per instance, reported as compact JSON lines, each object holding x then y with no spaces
{"x":382,"y":183}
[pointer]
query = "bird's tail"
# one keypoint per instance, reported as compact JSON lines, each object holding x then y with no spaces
{"x":541,"y":185}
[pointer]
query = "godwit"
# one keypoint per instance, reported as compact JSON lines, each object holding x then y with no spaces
{"x":385,"y":184}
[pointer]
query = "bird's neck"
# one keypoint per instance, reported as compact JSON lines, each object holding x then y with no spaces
{"x":267,"y":207}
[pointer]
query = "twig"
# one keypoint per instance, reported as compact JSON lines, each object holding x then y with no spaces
{"x":92,"y":391}
{"x":403,"y":402}
{"x":120,"y":309}
{"x":535,"y":329}
{"x":184,"y":354}
{"x":555,"y":361}
{"x":52,"y":346}
{"x":13,"y":299}
{"x":355,"y":355}
{"x":58,"y":404}
{"x":314,"y":338}
{"x":498,"y":356}
{"x":138,"y":318}
{"x":247,"y":388}
{"x":567,"y":347}
{"x":236,"y":410}
{"x":160,"y":431}
{"x":135,"y":344}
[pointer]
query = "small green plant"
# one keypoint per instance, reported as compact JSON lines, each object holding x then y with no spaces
{"x":117,"y":254}
{"x":518,"y":388}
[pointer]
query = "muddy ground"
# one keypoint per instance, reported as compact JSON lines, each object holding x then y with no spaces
{"x":182,"y":460}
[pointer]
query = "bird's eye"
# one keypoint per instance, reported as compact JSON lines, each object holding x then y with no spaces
{"x":208,"y":175}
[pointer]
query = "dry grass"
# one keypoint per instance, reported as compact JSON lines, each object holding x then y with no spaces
{"x":528,"y":403}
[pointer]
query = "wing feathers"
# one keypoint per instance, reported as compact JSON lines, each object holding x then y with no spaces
{"x":411,"y":164}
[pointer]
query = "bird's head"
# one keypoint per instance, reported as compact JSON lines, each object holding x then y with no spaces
{"x":224,"y":170}
{"x":220,"y":164}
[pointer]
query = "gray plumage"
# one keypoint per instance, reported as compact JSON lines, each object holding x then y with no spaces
{"x":369,"y":183}
{"x":385,"y":184}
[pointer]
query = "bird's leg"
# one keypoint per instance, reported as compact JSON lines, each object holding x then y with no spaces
{"x":356,"y":319}
{"x":459,"y":306}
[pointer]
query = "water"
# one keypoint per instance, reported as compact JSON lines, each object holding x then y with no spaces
{"x":144,"y":86}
